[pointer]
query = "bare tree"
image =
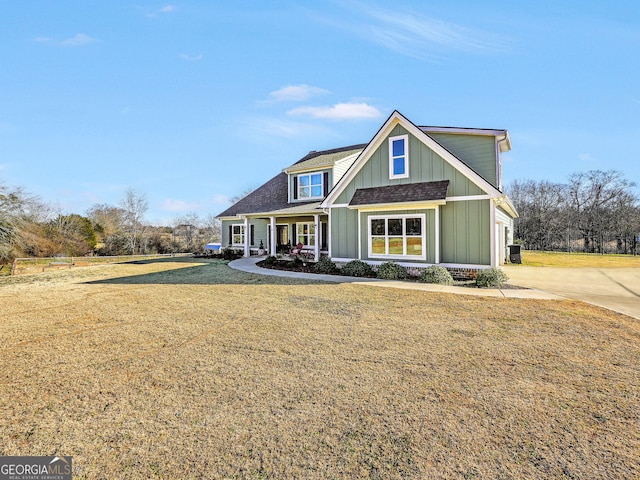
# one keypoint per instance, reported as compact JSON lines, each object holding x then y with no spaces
{"x":18,"y":210}
{"x":541,"y":205}
{"x":596,"y":196}
{"x":188,"y":229}
{"x":213,"y":227}
{"x":134,"y":206}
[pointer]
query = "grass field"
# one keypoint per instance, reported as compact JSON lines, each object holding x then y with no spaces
{"x":535,"y":258}
{"x":188,"y":369}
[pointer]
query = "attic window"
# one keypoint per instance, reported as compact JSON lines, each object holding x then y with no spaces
{"x":399,"y":156}
{"x":310,"y":186}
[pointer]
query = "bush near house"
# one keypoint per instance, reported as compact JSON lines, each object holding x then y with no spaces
{"x":436,"y":274}
{"x":392,"y":271}
{"x":357,"y":268}
{"x":491,"y":277}
{"x":325,"y":265}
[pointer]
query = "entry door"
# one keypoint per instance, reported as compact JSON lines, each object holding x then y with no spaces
{"x":282,"y":235}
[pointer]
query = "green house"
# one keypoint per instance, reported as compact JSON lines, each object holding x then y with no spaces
{"x":414,"y":195}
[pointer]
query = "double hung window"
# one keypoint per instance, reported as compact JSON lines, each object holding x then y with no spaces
{"x":399,"y":156}
{"x":397,"y":236}
{"x":237,"y":235}
{"x":306,"y":234}
{"x":310,"y":185}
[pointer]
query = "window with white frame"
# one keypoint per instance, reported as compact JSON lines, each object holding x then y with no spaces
{"x":306,"y":234}
{"x":237,"y":234}
{"x":399,"y":156}
{"x":397,"y":236}
{"x":310,"y":185}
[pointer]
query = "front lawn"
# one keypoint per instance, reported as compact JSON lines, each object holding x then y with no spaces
{"x":534,"y":258}
{"x":189,"y":369}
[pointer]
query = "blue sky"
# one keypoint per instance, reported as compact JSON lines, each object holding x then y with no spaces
{"x":193,"y":102}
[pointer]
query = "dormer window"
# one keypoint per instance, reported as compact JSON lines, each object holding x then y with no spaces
{"x":310,"y":186}
{"x":399,"y":156}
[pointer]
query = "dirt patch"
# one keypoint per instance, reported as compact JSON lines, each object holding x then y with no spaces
{"x":194,"y":370}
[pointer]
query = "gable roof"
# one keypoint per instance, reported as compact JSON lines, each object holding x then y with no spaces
{"x":394,"y":119}
{"x":274,"y":194}
{"x":402,"y":193}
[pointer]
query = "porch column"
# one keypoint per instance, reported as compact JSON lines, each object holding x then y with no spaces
{"x":316,"y":247}
{"x":437,"y":233}
{"x":247,"y":237}
{"x":272,"y":240}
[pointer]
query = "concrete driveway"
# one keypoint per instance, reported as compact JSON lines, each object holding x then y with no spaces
{"x":617,"y":289}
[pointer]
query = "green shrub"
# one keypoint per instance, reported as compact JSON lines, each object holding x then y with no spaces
{"x":295,"y":262}
{"x":230,"y":254}
{"x":392,"y":271}
{"x":325,"y":265}
{"x":270,"y":260}
{"x":436,"y":274}
{"x":491,"y":277}
{"x":357,"y":268}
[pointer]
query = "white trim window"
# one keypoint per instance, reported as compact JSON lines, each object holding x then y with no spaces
{"x":398,"y":236}
{"x":237,"y":235}
{"x":310,"y":185}
{"x":399,"y":156}
{"x":306,"y":234}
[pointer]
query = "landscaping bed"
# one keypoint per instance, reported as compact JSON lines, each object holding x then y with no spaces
{"x":301,"y":266}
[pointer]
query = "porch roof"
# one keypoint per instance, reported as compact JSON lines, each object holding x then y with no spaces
{"x":291,"y":211}
{"x":403,"y":193}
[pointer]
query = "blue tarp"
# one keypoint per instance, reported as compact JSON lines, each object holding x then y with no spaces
{"x":212,"y":246}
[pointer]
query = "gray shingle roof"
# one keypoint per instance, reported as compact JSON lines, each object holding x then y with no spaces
{"x":273,"y":195}
{"x":325,"y":158}
{"x":403,"y":193}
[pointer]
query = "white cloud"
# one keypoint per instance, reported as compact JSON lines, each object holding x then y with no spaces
{"x":172,"y":205}
{"x":416,"y":35}
{"x":78,"y":40}
{"x":339,"y":111}
{"x":165,"y":9}
{"x":585,"y":157}
{"x":296,"y":93}
{"x":191,"y":58}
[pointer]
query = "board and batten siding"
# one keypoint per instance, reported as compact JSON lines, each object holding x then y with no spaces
{"x":477,"y":151}
{"x":465,"y":235}
{"x":259,"y":231}
{"x":344,"y":233}
{"x":424,"y":166}
{"x":429,"y":229}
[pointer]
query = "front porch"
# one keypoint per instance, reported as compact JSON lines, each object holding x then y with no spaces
{"x":277,"y":234}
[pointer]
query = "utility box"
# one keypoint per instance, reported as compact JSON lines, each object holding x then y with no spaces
{"x":514,"y":254}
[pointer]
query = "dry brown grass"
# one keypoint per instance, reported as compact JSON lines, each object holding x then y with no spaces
{"x":161,"y":371}
{"x":534,"y":258}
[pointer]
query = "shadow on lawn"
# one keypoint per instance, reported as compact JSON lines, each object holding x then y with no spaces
{"x":205,"y":272}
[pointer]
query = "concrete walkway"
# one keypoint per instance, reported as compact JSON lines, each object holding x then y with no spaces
{"x":617,"y":289}
{"x":249,"y":265}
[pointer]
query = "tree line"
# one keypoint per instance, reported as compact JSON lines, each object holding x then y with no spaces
{"x":595,"y":212}
{"x":32,"y":228}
